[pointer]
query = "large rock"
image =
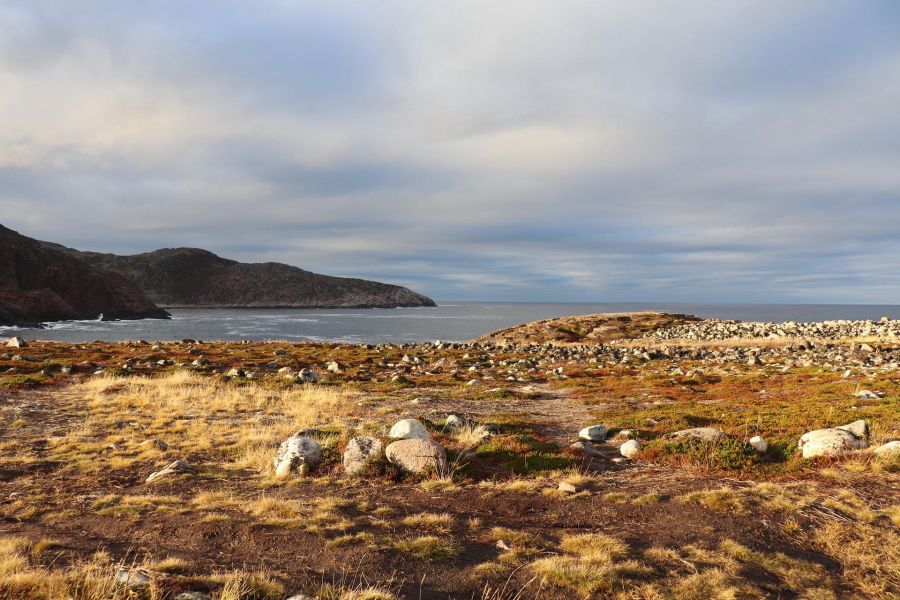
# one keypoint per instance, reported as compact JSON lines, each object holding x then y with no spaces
{"x":594,"y":433}
{"x":829,"y":442}
{"x":17,"y":342}
{"x":858,"y":428}
{"x":360,"y":452}
{"x":888,"y":448}
{"x":705,"y":434}
{"x":297,"y":453}
{"x":418,"y":456}
{"x":409,"y":429}
{"x":759,"y":443}
{"x":308,"y":376}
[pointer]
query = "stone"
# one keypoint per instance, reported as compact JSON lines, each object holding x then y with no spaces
{"x":594,"y":433}
{"x":332,"y":367}
{"x":453,"y":423}
{"x":308,"y":376}
{"x":858,"y":428}
{"x":16,"y":342}
{"x":235,"y":372}
{"x":587,"y":448}
{"x":177,"y":467}
{"x":867,"y":395}
{"x":132,"y":578}
{"x":566,"y":487}
{"x":759,"y":443}
{"x":829,"y":442}
{"x":630,"y":448}
{"x":297,"y":453}
{"x":626,"y":434}
{"x":705,"y":434}
{"x":409,"y":429}
{"x":888,"y":448}
{"x":360,"y":452}
{"x":418,"y":456}
{"x":193,"y":596}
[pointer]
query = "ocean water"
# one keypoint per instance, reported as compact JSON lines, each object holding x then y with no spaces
{"x":450,"y":321}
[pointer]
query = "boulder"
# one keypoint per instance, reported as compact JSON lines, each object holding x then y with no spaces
{"x":705,"y":434}
{"x":829,"y":442}
{"x":132,"y":578}
{"x":308,"y":376}
{"x":453,"y":423}
{"x":594,"y":433}
{"x":297,"y":453}
{"x":16,"y":342}
{"x":630,"y":448}
{"x":409,"y":429}
{"x":888,"y":448}
{"x":360,"y":451}
{"x":566,"y":487}
{"x":759,"y":443}
{"x":858,"y":428}
{"x":332,"y":367}
{"x":418,"y":456}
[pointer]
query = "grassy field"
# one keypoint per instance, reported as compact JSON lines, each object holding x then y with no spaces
{"x":680,"y":521}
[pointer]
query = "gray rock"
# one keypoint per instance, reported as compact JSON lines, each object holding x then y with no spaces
{"x":361,"y":451}
{"x":308,"y":376}
{"x":409,"y":429}
{"x":829,"y":442}
{"x":297,"y":453}
{"x":858,"y":428}
{"x":453,"y":423}
{"x":594,"y":433}
{"x":586,"y":448}
{"x":418,"y":456}
{"x":193,"y":596}
{"x":177,"y":467}
{"x":132,"y":577}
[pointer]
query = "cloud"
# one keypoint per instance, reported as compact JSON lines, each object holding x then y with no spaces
{"x":579,"y":151}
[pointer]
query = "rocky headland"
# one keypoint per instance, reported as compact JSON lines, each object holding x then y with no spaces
{"x":195,"y":278}
{"x":40,"y":284}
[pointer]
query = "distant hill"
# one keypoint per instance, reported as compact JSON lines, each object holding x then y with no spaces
{"x":190,"y":277}
{"x":40,"y":283}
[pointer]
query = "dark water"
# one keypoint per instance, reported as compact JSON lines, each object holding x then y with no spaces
{"x":451,"y":321}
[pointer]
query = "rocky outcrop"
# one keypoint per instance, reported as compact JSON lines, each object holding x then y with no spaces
{"x":587,"y":329}
{"x":39,"y":283}
{"x":190,"y":277}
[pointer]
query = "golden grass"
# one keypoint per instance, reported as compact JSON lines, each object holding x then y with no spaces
{"x":867,"y":554}
{"x":429,"y":547}
{"x":435,"y":523}
{"x":593,"y":564}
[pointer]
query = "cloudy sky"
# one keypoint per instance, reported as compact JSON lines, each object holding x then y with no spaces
{"x":510,"y":150}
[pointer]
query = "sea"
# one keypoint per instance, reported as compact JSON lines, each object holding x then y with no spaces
{"x":449,"y":321}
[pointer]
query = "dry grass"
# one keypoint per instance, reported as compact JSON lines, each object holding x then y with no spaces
{"x":435,"y":523}
{"x":593,"y":564}
{"x":867,"y":554}
{"x":430,"y":548}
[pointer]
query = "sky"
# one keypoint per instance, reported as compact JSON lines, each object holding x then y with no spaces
{"x":565,"y":150}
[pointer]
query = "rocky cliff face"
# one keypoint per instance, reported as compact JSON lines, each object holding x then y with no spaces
{"x":189,"y":277}
{"x":39,"y":283}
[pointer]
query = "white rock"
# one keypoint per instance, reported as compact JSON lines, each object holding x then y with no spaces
{"x":866,"y":395}
{"x":132,"y":578}
{"x":453,"y":422}
{"x":759,"y":443}
{"x":706,"y":434}
{"x":594,"y":433}
{"x":888,"y":448}
{"x":409,"y":429}
{"x":360,"y":452}
{"x":297,"y":453}
{"x":828,"y":442}
{"x":333,"y":367}
{"x":630,"y":448}
{"x":17,"y":342}
{"x":567,"y":487}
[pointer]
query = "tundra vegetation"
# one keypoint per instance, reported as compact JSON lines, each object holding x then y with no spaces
{"x":521,"y":508}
